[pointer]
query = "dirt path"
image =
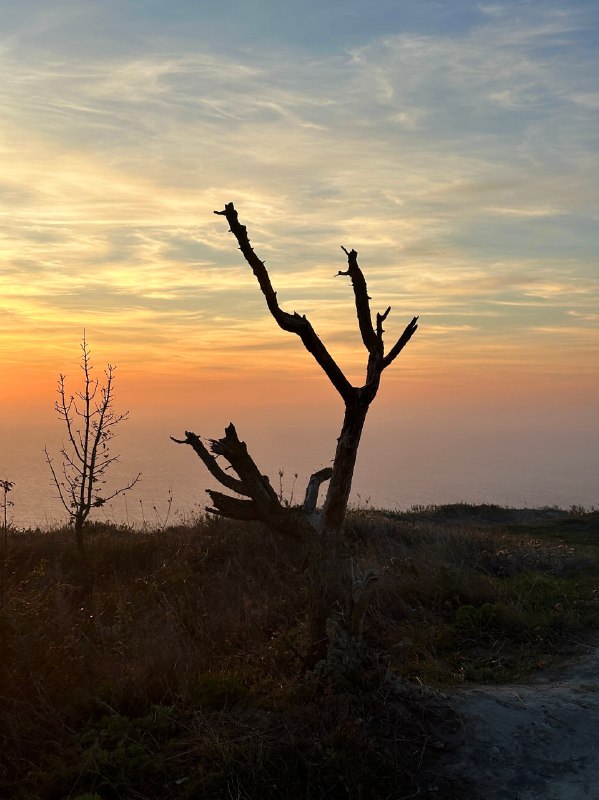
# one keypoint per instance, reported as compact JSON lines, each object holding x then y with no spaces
{"x":538,"y":741}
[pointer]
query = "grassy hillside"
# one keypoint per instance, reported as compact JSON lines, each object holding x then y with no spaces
{"x":169,"y":663}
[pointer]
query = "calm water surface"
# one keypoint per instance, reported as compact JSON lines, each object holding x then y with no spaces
{"x":397,"y":467}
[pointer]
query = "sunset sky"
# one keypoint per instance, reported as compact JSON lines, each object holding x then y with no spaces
{"x":453,"y":144}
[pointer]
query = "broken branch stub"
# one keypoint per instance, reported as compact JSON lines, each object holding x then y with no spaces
{"x":262,"y":503}
{"x":314,"y":484}
{"x":255,"y":485}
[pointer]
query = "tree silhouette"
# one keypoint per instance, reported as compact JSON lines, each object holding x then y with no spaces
{"x":90,"y":423}
{"x":339,"y":597}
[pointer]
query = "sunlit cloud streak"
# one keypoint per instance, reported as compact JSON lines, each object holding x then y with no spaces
{"x":462,"y":165}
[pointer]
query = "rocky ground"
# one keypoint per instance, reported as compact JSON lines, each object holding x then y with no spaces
{"x":535,"y":741}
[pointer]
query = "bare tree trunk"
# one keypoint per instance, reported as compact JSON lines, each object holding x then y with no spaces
{"x":331,"y":584}
{"x":335,"y":506}
{"x":338,"y":597}
{"x":79,"y":538}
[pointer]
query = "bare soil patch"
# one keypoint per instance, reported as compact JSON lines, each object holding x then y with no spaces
{"x":531,"y":741}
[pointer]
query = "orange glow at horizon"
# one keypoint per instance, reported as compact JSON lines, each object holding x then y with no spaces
{"x":415,"y":385}
{"x":467,"y":185}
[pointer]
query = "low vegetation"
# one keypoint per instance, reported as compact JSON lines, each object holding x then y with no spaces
{"x":168,"y":663}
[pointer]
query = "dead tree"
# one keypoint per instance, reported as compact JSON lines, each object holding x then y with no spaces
{"x":90,"y":423}
{"x":339,"y":598}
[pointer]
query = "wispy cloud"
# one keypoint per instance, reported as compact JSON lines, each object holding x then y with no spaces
{"x":461,"y":165}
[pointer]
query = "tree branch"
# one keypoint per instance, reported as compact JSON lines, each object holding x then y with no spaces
{"x":99,"y":501}
{"x":232,"y":507}
{"x":250,"y":483}
{"x":263,"y":503}
{"x":255,"y":485}
{"x":65,"y":412}
{"x":371,"y":341}
{"x":314,"y":484}
{"x":380,"y":318}
{"x":56,"y":481}
{"x":293,"y":323}
{"x":194,"y":441}
{"x":401,"y":343}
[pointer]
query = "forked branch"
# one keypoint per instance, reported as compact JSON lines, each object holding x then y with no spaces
{"x":373,"y":339}
{"x":295,"y":323}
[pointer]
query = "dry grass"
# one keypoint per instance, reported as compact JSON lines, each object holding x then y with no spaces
{"x":168,"y":664}
{"x":471,"y":600}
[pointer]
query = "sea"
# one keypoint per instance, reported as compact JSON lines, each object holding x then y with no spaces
{"x":401,"y":464}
